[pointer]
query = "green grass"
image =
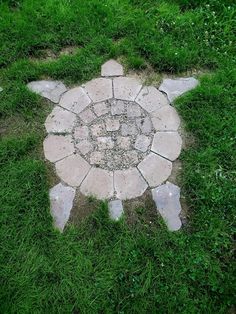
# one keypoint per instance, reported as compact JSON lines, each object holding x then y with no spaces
{"x":100,"y":266}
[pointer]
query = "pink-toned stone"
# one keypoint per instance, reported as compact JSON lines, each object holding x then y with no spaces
{"x":84,"y":146}
{"x":81,"y":133}
{"x":166,"y":119}
{"x":98,"y":129}
{"x":57,"y":147}
{"x":60,"y":121}
{"x":126,"y":88}
{"x":99,"y":89}
{"x":129,"y":184}
{"x":117,"y":107}
{"x":151,"y":99}
{"x":112,"y":68}
{"x":167,"y":144}
{"x":72,"y":169}
{"x":97,"y":158}
{"x":133,"y":110}
{"x":123,"y":142}
{"x":112,"y":125}
{"x":100,"y":109}
{"x":87,"y":116}
{"x":98,"y":183}
{"x":155,"y":169}
{"x":105,"y":142}
{"x":142,"y":142}
{"x":75,"y":100}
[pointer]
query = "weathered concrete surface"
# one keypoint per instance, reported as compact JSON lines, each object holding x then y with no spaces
{"x":112,"y":68}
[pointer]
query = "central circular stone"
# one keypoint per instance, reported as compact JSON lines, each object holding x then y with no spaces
{"x":113,"y":134}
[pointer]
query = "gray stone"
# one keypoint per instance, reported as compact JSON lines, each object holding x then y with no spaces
{"x":144,"y":124}
{"x":75,"y":100}
{"x":167,"y":199}
{"x":115,"y":208}
{"x":126,"y":88}
{"x":128,"y":129}
{"x":167,"y":144}
{"x":105,"y":142}
{"x":98,"y":129}
{"x":87,"y":116}
{"x":61,"y":203}
{"x":176,"y":87}
{"x":72,"y":169}
{"x":98,"y":183}
{"x":99,"y":89}
{"x":151,"y":99}
{"x":100,"y":109}
{"x":123,"y":142}
{"x":112,"y":68}
{"x":133,"y":111}
{"x":166,"y":119}
{"x":97,"y":158}
{"x":142,"y":142}
{"x":130,"y":157}
{"x":117,"y":107}
{"x":155,"y":169}
{"x":57,"y":147}
{"x":84,"y":146}
{"x":81,"y":133}
{"x":112,"y":125}
{"x":60,"y":121}
{"x":129,"y":184}
{"x":51,"y":90}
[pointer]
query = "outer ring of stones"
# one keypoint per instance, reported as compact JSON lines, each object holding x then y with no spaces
{"x":72,"y":167}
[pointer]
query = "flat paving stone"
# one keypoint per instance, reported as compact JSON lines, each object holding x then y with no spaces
{"x":128,"y":129}
{"x":167,"y":200}
{"x":99,"y":89}
{"x":87,"y":116}
{"x":155,"y":169}
{"x":144,"y":124}
{"x":51,"y":90}
{"x":61,"y":203}
{"x":57,"y":147}
{"x":166,"y":119}
{"x":101,"y":109}
{"x":84,"y":146}
{"x":115,"y":209}
{"x":124,"y":142}
{"x":117,"y":107}
{"x":133,"y":111}
{"x":72,"y":169}
{"x":167,"y":144}
{"x":129,"y":184}
{"x":112,"y":125}
{"x":60,"y":121}
{"x":151,"y":99}
{"x":112,"y":68}
{"x":75,"y":100}
{"x":142,"y":142}
{"x":98,"y":129}
{"x":176,"y":87}
{"x":98,"y":183}
{"x":81,"y":132}
{"x":97,"y":158}
{"x":126,"y":88}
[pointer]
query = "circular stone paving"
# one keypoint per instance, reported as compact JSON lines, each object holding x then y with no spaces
{"x":113,"y":137}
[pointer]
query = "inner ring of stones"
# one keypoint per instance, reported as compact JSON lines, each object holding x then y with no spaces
{"x":113,"y":134}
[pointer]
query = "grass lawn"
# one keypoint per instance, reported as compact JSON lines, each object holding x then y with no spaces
{"x":100,"y":266}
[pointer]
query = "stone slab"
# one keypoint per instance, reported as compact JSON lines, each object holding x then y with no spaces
{"x":166,"y":119}
{"x":57,"y":147}
{"x":75,"y":100}
{"x":144,"y":124}
{"x":126,"y":88}
{"x":176,"y":87}
{"x":167,"y":200}
{"x":60,"y":121}
{"x":151,"y":99}
{"x":129,"y":184}
{"x":117,"y":107}
{"x":99,"y":89}
{"x":72,"y":169}
{"x":142,"y":142}
{"x":51,"y":90}
{"x":155,"y":169}
{"x":98,"y":129}
{"x":128,"y":129}
{"x":112,"y":125}
{"x":167,"y":144}
{"x":100,"y":109}
{"x":105,"y":142}
{"x":84,"y":146}
{"x":115,"y":209}
{"x":133,"y":111}
{"x":97,"y":158}
{"x":87,"y":116}
{"x":81,"y":132}
{"x":61,"y":203}
{"x":124,"y":142}
{"x":98,"y":183}
{"x":112,"y":68}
